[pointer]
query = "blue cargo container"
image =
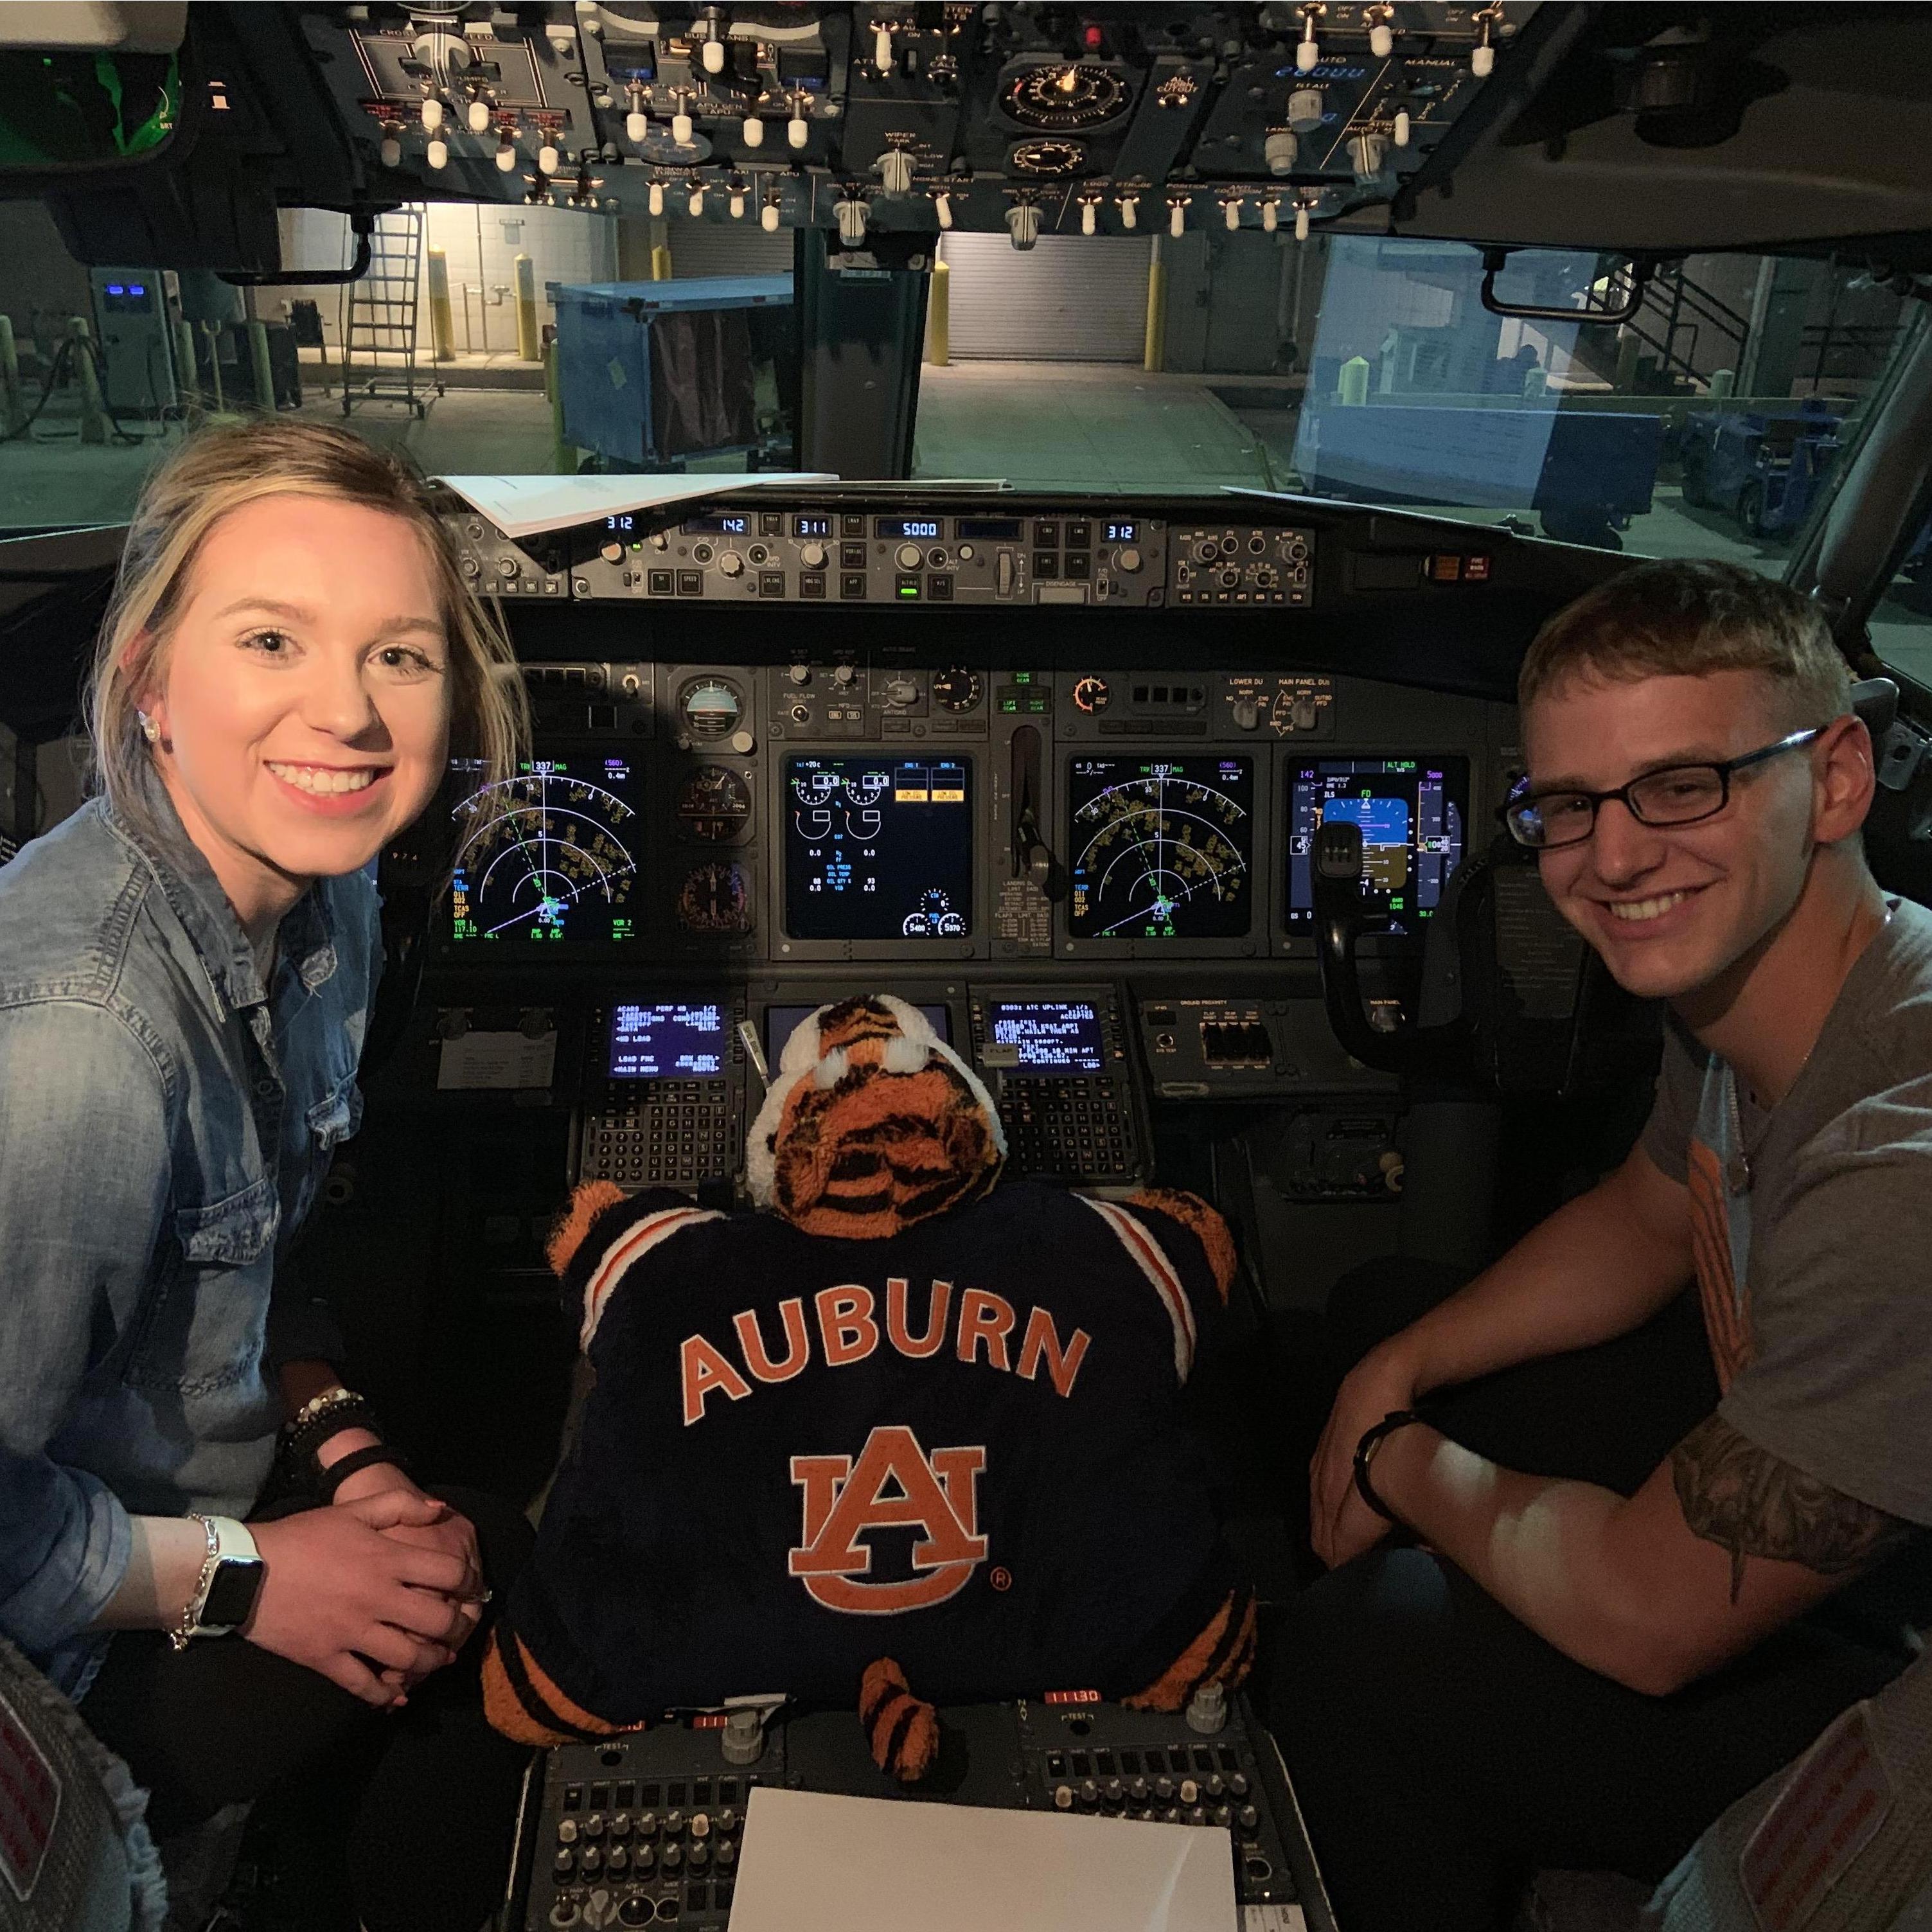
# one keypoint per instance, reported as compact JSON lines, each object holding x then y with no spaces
{"x":653,"y":373}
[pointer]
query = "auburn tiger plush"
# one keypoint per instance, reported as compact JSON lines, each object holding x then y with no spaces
{"x":908,"y":1425}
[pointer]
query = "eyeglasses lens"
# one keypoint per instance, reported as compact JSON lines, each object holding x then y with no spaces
{"x":1675,"y":797}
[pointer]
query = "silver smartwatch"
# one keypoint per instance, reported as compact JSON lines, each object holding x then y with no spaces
{"x":230,"y":1581}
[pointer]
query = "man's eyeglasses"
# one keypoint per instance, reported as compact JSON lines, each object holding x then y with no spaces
{"x":1676,"y":795}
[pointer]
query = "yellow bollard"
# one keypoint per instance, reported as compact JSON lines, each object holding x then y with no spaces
{"x":442,"y":329}
{"x":939,"y":317}
{"x":258,"y":364}
{"x":1155,"y":353}
{"x":529,"y":338}
{"x":1353,"y":386}
{"x":93,"y":414}
{"x":15,"y":415}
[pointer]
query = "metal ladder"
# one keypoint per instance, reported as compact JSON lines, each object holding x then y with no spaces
{"x":379,"y":326}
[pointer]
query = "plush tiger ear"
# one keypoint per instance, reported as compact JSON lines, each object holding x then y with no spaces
{"x":588,"y":1201}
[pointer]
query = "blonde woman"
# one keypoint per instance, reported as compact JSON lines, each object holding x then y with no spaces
{"x":186,"y":970}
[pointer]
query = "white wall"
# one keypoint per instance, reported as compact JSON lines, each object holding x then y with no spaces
{"x":481,"y":244}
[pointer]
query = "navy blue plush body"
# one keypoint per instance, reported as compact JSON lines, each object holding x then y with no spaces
{"x":767,"y":1401}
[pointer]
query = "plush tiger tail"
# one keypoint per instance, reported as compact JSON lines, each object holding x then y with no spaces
{"x":904,"y":1729}
{"x":1223,"y":1653}
{"x":521,"y":1699}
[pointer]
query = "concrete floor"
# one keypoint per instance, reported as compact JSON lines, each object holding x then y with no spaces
{"x":1054,"y":426}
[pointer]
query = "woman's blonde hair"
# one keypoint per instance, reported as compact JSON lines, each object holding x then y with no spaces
{"x":217,"y":472}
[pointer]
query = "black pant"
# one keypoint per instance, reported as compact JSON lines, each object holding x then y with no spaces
{"x":1441,"y":1750}
{"x":421,"y":1801}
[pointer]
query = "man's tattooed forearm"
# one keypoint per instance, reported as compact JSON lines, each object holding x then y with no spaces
{"x":1745,"y":1500}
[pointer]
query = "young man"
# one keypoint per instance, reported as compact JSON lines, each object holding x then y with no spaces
{"x":1556,"y":1674}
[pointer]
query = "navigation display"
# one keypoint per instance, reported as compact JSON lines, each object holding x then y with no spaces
{"x":1045,"y":1036}
{"x":1411,"y":811}
{"x":878,"y":848}
{"x":779,"y":1021}
{"x":1162,"y":847}
{"x":548,"y":855}
{"x":667,"y":1043}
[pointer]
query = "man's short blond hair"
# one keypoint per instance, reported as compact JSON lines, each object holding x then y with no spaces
{"x":1685,"y":618}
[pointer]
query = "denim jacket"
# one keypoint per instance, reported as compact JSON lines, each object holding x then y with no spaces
{"x":165,"y":1122}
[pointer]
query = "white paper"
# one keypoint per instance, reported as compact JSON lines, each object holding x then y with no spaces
{"x":815,"y":1863}
{"x":497,"y":1060}
{"x":525,"y":506}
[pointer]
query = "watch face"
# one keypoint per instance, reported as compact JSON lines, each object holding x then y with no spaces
{"x":232,"y":1595}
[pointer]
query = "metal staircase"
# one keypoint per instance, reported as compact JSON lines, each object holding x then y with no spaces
{"x":379,"y":324}
{"x":1690,"y":330}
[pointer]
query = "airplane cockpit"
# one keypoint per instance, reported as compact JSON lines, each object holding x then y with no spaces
{"x":1038,"y":511}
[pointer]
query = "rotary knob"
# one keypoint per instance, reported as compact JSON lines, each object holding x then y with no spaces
{"x":909,"y":557}
{"x":902,"y":692}
{"x":1247,"y":713}
{"x":471,"y":568}
{"x":507,"y":567}
{"x":895,"y":167}
{"x":812,"y":555}
{"x":1128,"y":560}
{"x":593,"y":1828}
{"x":731,"y":564}
{"x":726,"y":1855}
{"x":612,"y":553}
{"x":843,"y":674}
{"x":566,"y":1831}
{"x":798,"y":674}
{"x":1063,"y":1798}
{"x":673,"y":1858}
{"x":700,"y":1856}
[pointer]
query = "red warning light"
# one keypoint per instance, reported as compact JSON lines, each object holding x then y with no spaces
{"x":1093,"y":38}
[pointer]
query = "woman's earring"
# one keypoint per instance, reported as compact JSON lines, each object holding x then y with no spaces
{"x":150,"y":730}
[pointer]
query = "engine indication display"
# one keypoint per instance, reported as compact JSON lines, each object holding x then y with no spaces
{"x":548,"y":855}
{"x":1162,"y":847}
{"x":1411,"y":811}
{"x":878,"y":848}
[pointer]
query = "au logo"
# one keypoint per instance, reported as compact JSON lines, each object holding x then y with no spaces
{"x":894,"y":1484}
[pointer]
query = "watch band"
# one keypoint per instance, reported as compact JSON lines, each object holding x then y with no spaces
{"x":228,"y":1541}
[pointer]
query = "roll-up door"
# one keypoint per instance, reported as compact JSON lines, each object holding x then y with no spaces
{"x":1073,"y":299}
{"x":728,"y":248}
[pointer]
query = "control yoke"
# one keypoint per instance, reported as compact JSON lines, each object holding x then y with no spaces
{"x":1441,"y":1052}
